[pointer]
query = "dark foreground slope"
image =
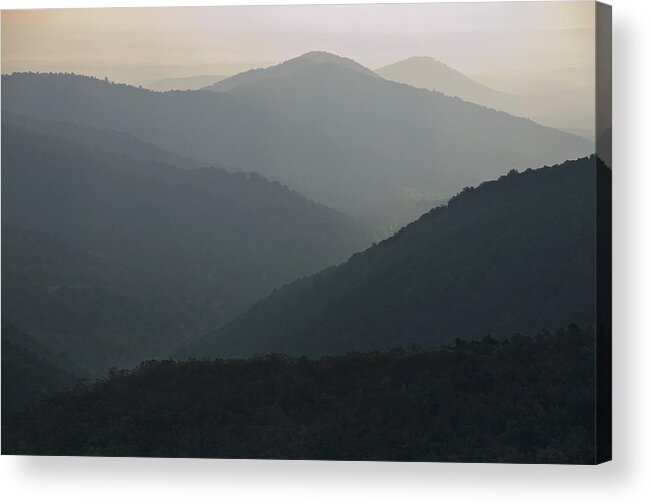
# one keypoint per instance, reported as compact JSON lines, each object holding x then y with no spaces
{"x":525,"y":400}
{"x":515,"y":254}
{"x":30,"y":371}
{"x":113,"y":260}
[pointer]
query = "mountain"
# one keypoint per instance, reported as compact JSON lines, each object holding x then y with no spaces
{"x":428,"y":73}
{"x":192,"y":82}
{"x":582,"y":132}
{"x":288,"y":68}
{"x":409,"y":139}
{"x":106,"y":140}
{"x":112,"y":260}
{"x":514,"y":254}
{"x":523,"y":400}
{"x":339,"y":134}
{"x":30,"y":371}
{"x":569,"y":108}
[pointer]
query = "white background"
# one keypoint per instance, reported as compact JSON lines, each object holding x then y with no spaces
{"x":625,"y":480}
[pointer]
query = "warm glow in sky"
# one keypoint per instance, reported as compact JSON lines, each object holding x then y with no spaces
{"x":139,"y":45}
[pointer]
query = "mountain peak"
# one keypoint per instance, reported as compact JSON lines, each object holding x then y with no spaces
{"x":422,"y":59}
{"x":322,"y":56}
{"x":289,"y":68}
{"x":327,"y":57}
{"x":423,"y":67}
{"x":429,"y":73}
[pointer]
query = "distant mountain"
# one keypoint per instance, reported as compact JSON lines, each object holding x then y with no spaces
{"x":567,"y":108}
{"x":288,"y":68}
{"x":112,"y":260}
{"x":514,"y":254}
{"x":428,"y":73}
{"x":30,"y":371}
{"x":317,"y":94}
{"x":582,"y":132}
{"x":193,"y":82}
{"x":330,"y":128}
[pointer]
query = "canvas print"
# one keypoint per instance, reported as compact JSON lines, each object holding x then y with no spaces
{"x":335,"y":232}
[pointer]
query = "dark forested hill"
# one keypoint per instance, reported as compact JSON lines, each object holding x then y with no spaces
{"x":331,"y":128}
{"x":112,"y":260}
{"x":112,"y":141}
{"x":514,"y":254}
{"x":30,"y":371}
{"x":523,"y":400}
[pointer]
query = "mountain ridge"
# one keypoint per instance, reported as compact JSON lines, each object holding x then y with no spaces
{"x":88,"y":235}
{"x":550,"y":104}
{"x":420,"y":285}
{"x":286,"y":69}
{"x":106,"y":140}
{"x":352,"y":141}
{"x":189,"y":83}
{"x":429,"y":73}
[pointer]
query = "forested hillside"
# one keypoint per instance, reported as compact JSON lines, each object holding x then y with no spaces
{"x":514,"y":254}
{"x":31,"y":372}
{"x":115,"y":142}
{"x":521,"y":400}
{"x":112,"y":260}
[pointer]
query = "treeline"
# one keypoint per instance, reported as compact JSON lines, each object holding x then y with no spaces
{"x":526,"y":399}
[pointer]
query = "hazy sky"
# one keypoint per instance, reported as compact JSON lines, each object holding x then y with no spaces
{"x":140,"y":45}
